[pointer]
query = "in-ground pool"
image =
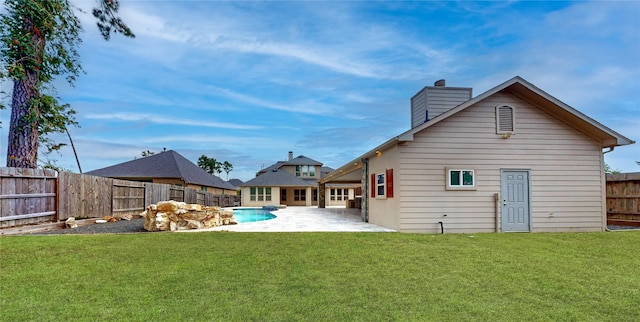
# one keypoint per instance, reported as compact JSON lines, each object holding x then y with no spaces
{"x":252,"y":214}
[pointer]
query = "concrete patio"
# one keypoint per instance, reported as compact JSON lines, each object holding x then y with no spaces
{"x":306,"y":219}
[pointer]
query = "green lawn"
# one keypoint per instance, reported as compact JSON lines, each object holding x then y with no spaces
{"x":226,"y":276}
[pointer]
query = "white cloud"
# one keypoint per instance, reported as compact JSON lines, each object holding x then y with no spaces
{"x":160,"y":119}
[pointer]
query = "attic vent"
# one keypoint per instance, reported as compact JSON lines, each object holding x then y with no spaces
{"x":440,"y":83}
{"x":505,"y":120}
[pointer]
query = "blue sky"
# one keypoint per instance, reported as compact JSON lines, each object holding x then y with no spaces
{"x":246,"y":82}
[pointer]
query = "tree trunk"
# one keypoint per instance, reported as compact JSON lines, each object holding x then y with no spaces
{"x":22,"y":147}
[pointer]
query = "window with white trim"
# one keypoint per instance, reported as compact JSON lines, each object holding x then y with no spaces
{"x":381,"y":186}
{"x":260,"y":193}
{"x":505,"y":119}
{"x":461,"y":179}
{"x":305,"y":171}
{"x":339,"y":194}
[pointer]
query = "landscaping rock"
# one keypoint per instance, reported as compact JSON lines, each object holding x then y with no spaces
{"x":71,"y":223}
{"x":172,"y":215}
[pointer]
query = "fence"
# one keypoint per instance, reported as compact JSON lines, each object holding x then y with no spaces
{"x":623,"y":199}
{"x":31,"y":196}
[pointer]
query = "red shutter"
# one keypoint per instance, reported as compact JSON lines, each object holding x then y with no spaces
{"x":373,"y":185}
{"x":389,"y":183}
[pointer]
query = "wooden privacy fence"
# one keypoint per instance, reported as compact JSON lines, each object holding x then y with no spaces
{"x":623,"y":199}
{"x":27,"y":196}
{"x":32,"y":196}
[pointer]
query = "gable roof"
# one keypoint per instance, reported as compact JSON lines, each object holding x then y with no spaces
{"x":280,"y":178}
{"x":521,"y":88}
{"x":168,"y":164}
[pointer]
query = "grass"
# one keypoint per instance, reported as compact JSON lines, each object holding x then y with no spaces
{"x":321,"y":277}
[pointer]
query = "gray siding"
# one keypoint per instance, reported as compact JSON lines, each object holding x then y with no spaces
{"x":566,"y":166}
{"x":437,"y":100}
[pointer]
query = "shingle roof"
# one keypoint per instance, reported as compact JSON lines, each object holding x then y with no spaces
{"x":235,"y":182}
{"x":168,"y":164}
{"x":278,"y":178}
{"x":302,"y":160}
{"x":299,"y":160}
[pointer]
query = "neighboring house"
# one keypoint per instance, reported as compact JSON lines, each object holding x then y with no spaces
{"x":293,"y":183}
{"x":167,"y":167}
{"x":513,"y":159}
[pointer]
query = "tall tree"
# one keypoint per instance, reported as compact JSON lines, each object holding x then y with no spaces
{"x":39,"y":40}
{"x":227,"y":168}
{"x":208,"y":164}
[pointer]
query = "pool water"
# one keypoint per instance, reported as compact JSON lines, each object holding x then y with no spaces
{"x":251,"y":215}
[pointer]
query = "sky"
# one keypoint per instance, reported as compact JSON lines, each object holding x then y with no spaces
{"x":247,"y":82}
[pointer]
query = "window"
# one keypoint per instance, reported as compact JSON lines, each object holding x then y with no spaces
{"x":333,"y":194}
{"x":283,"y":194}
{"x":267,"y":194}
{"x":203,"y":188}
{"x":260,"y":193}
{"x":299,"y":195}
{"x":505,"y":120}
{"x":305,"y":171}
{"x":380,"y":185}
{"x":461,"y":179}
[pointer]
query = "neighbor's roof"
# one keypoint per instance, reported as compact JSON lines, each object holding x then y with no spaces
{"x":517,"y":86}
{"x":278,"y":178}
{"x":168,"y":164}
{"x":302,"y":160}
{"x":235,"y":182}
{"x":299,"y":160}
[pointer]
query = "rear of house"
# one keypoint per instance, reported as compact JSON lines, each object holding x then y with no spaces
{"x":513,"y":159}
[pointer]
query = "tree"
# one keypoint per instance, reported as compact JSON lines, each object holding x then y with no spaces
{"x":38,"y":42}
{"x":208,"y":164}
{"x":227,"y":168}
{"x":608,"y":170}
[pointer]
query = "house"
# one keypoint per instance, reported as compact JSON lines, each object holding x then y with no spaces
{"x":167,"y":167}
{"x":294,"y":182}
{"x":512,"y":159}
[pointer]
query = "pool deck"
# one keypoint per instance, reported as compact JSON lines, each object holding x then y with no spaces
{"x":306,"y":219}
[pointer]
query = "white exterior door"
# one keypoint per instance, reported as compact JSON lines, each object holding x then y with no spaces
{"x":514,"y":191}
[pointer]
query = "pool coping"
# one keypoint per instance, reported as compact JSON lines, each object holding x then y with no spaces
{"x":305,"y":219}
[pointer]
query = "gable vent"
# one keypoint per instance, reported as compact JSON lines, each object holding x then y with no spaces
{"x":505,"y":119}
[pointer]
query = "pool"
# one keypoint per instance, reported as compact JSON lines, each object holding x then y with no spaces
{"x":252,"y":214}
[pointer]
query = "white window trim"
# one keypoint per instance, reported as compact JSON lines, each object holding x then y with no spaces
{"x":383,"y":185}
{"x":513,"y":120}
{"x":448,"y":184}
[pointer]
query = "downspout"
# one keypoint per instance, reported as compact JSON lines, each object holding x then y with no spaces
{"x":496,"y":197}
{"x":604,"y":190}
